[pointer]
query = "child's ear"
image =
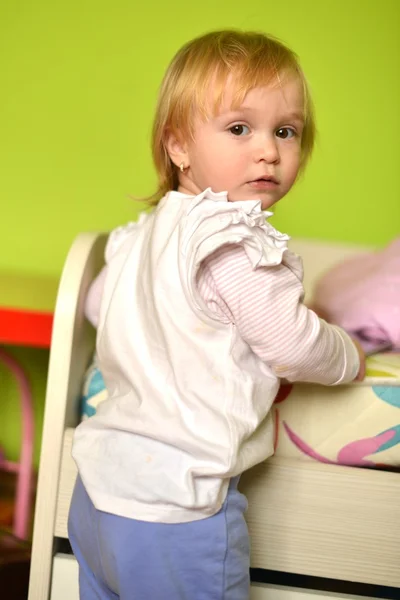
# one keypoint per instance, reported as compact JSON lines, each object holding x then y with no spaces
{"x":177,"y":150}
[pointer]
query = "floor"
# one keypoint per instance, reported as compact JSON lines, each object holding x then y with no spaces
{"x":14,"y":566}
{"x":14,"y":553}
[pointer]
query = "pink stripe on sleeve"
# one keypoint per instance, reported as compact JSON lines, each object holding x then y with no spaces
{"x":266,"y":306}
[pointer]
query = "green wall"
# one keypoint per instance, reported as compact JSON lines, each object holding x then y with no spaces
{"x":78,"y":88}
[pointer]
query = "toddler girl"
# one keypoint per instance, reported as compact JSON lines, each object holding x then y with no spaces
{"x":199,"y":314}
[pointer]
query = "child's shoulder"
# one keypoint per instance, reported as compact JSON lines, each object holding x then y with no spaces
{"x":118,"y":236}
{"x":245,"y":213}
{"x":212,"y":221}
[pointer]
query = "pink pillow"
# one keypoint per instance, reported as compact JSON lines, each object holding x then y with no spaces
{"x":362,"y":295}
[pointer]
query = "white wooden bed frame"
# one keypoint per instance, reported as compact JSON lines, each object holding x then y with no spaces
{"x":305,"y":518}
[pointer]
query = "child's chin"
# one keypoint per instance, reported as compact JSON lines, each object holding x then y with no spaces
{"x":267,"y":201}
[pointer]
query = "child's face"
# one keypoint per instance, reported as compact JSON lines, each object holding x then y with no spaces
{"x":252,"y":153}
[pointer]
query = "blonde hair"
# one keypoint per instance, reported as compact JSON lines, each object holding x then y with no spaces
{"x":253,"y":59}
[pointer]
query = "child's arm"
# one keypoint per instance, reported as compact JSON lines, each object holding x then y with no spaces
{"x":115,"y":241}
{"x":93,"y":300}
{"x":266,"y":306}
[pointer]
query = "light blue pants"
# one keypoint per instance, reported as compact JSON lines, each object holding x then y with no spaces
{"x":136,"y":560}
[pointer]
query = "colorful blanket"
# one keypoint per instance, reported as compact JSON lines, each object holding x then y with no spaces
{"x":356,"y":424}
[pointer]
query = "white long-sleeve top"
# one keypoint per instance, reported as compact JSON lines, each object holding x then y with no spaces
{"x":200,"y":313}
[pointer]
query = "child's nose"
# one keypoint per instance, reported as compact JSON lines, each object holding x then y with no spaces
{"x":268,"y":150}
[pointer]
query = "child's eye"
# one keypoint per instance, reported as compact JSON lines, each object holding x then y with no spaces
{"x":285,"y":133}
{"x":239,"y":130}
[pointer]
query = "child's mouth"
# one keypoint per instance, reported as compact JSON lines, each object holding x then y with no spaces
{"x":267,"y":183}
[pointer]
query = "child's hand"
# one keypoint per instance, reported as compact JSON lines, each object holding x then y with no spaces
{"x":361,"y":354}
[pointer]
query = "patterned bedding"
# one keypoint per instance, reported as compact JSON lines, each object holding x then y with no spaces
{"x":356,"y":424}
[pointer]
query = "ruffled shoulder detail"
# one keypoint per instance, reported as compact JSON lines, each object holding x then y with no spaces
{"x":212,"y":222}
{"x":120,"y":235}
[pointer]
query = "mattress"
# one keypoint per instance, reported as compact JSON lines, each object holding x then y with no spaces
{"x":356,"y":424}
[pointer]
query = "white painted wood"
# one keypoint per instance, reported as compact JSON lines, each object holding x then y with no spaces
{"x":324,"y":520}
{"x":65,"y":579}
{"x":275,"y":592}
{"x":71,"y":348}
{"x":67,"y":481}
